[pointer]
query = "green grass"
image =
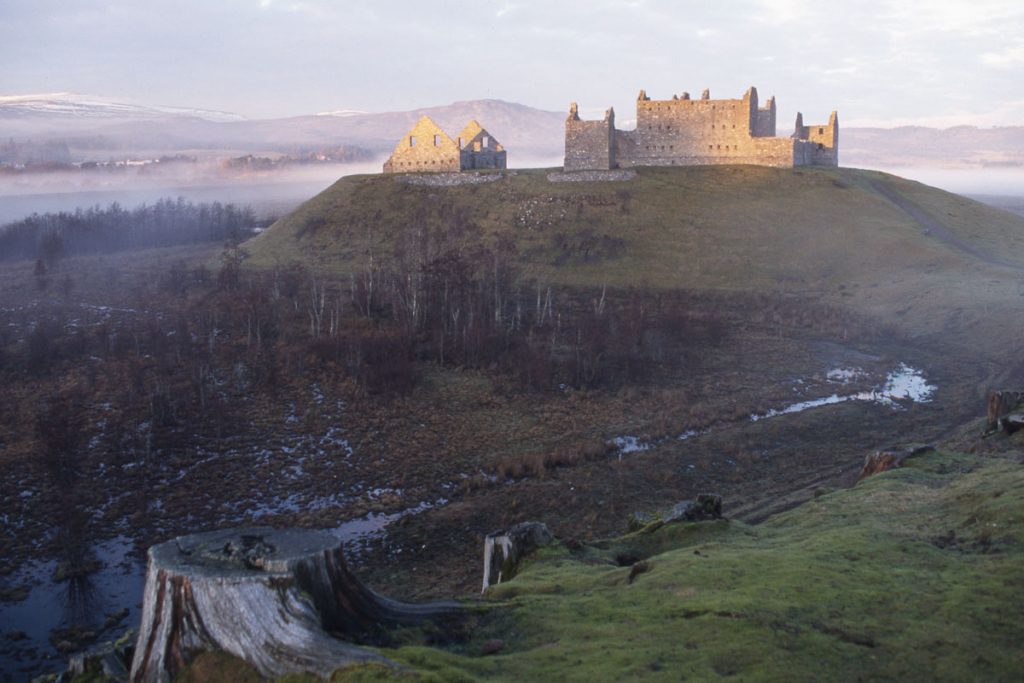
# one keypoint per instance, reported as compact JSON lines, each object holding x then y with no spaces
{"x":914,"y":574}
{"x":824,"y":232}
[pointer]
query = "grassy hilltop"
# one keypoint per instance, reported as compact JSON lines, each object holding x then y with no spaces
{"x":832,"y":233}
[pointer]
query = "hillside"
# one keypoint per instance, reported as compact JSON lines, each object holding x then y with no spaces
{"x":913,"y":574}
{"x":923,"y":260}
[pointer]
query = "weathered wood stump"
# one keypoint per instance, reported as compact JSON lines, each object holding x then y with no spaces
{"x":282,"y":600}
{"x":1004,"y":411}
{"x":504,"y":549}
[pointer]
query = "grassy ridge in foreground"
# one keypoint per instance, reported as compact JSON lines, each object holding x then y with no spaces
{"x":915,"y":574}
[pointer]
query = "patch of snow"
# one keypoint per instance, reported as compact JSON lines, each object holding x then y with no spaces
{"x":844,"y":375}
{"x":630,"y":444}
{"x":342,"y":113}
{"x":903,"y":383}
{"x":76,"y":106}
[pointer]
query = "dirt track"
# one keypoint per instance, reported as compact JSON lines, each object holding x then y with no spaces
{"x":936,"y":229}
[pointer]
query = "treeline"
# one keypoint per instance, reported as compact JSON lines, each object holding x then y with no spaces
{"x":451,"y":295}
{"x":168,"y":222}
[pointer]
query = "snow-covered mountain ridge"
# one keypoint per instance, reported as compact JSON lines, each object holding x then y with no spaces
{"x":76,"y":106}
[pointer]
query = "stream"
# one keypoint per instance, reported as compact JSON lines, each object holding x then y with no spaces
{"x":903,"y":384}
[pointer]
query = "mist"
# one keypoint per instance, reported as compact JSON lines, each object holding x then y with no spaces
{"x":272,"y":193}
{"x":967,"y":181}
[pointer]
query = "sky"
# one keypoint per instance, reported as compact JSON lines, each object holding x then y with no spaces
{"x":877,"y":62}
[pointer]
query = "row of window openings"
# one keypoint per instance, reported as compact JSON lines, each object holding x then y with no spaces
{"x":437,"y":142}
{"x":669,"y":128}
{"x":660,"y":105}
{"x":421,"y":163}
{"x":672,"y":146}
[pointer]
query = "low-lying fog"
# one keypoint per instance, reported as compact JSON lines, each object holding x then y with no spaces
{"x":272,"y":193}
{"x":1007,"y":181}
{"x":269,"y":193}
{"x":277,"y":192}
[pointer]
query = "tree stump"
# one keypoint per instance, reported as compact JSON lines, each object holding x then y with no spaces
{"x":504,"y":549}
{"x":1000,"y":405}
{"x":282,"y":600}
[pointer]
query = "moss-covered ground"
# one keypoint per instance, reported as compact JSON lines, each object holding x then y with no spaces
{"x":913,"y":574}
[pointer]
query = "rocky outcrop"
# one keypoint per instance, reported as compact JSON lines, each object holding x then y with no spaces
{"x":881,"y":461}
{"x":706,"y":506}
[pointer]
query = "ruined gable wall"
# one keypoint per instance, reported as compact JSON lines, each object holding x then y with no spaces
{"x":589,"y":145}
{"x":479,"y":150}
{"x":425,"y":148}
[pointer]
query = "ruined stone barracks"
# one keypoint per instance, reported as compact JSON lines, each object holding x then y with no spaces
{"x":428,"y":149}
{"x":686,"y":132}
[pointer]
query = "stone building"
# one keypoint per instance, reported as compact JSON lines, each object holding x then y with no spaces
{"x":686,"y":132}
{"x":427,"y":148}
{"x":479,"y":149}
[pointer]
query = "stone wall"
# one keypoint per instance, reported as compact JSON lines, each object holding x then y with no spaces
{"x":589,"y":145}
{"x":686,"y":132}
{"x":479,"y":150}
{"x":764,"y":122}
{"x":822,"y":140}
{"x":426,"y":148}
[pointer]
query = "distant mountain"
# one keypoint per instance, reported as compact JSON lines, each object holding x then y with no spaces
{"x":521,"y":129}
{"x":98,"y":128}
{"x":920,"y":146}
{"x":64,"y":106}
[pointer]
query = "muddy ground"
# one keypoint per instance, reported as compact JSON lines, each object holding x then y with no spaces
{"x":414,"y":480}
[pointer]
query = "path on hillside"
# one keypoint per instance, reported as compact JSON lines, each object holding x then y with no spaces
{"x":936,"y":229}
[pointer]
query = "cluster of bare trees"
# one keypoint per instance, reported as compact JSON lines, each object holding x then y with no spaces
{"x":457,"y":298}
{"x":168,"y":222}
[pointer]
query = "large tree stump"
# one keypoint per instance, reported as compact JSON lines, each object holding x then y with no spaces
{"x":282,"y":600}
{"x":1001,"y":406}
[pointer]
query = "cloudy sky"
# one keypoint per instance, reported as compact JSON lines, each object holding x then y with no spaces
{"x":877,"y":62}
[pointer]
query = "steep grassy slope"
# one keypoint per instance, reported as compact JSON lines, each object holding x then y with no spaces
{"x":834,"y":233}
{"x":914,"y":574}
